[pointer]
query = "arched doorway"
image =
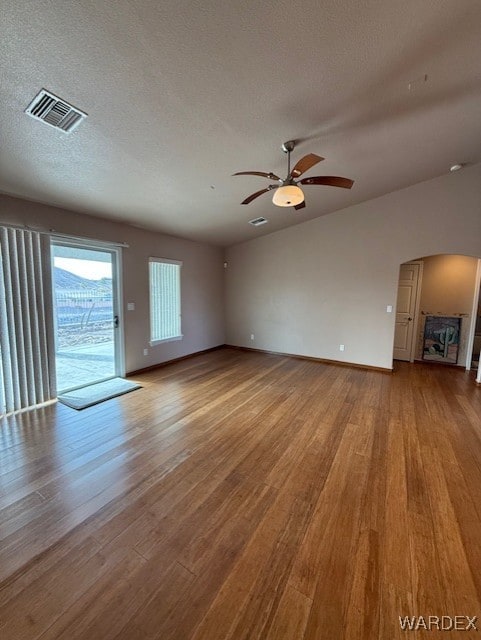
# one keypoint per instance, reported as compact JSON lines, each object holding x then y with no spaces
{"x":432,"y":288}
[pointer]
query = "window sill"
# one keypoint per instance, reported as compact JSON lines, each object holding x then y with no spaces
{"x":152,"y":343}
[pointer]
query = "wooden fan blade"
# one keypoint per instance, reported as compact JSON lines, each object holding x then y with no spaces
{"x":305,"y":164}
{"x":269,"y":176}
{"x":330,"y":181}
{"x":255,"y":195}
{"x":300,"y":206}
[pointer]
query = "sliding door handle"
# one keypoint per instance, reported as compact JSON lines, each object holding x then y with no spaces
{"x":116,"y":321}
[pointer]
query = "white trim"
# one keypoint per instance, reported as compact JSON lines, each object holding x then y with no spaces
{"x":117,"y":289}
{"x":474,"y":313}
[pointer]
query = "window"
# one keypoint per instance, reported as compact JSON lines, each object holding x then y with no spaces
{"x":164,"y":278}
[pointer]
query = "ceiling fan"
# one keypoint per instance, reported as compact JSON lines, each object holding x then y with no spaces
{"x":287,"y":193}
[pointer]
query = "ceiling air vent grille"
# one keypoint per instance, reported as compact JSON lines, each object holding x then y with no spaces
{"x":258,"y":221}
{"x":56,"y":112}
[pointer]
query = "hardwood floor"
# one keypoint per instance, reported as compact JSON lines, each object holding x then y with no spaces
{"x":245,"y":496}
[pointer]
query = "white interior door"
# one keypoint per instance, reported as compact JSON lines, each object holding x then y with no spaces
{"x":405,"y":311}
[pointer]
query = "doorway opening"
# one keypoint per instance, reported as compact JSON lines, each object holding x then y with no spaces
{"x":86,"y":316}
{"x":438,"y":298}
{"x":475,"y":356}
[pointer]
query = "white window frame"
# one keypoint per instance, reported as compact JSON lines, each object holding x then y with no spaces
{"x":154,"y":341}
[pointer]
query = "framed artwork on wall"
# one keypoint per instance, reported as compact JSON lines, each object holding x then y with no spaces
{"x":441,"y":339}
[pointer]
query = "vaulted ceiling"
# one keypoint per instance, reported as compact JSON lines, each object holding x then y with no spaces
{"x":181,"y":94}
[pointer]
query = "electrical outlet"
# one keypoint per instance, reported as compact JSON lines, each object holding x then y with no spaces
{"x":252,"y":336}
{"x":146,"y":352}
{"x":341,"y":347}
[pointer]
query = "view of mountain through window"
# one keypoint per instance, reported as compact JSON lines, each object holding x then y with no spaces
{"x":90,"y":270}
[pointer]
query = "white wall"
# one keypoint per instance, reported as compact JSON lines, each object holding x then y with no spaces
{"x":202,"y":278}
{"x":307,"y":289}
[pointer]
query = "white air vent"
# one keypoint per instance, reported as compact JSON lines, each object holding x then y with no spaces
{"x":55,"y":112}
{"x":258,"y":221}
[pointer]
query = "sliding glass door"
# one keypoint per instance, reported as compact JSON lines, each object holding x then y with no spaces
{"x":86,"y":317}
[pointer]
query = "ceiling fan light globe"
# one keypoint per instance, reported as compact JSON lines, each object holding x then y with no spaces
{"x":288,"y":196}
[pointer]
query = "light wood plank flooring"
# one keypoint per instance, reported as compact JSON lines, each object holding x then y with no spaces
{"x":245,"y":496}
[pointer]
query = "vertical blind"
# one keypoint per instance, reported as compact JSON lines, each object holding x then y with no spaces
{"x":165,"y":318}
{"x":27,"y":371}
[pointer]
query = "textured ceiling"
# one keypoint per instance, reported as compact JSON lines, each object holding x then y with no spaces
{"x":182,"y":94}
